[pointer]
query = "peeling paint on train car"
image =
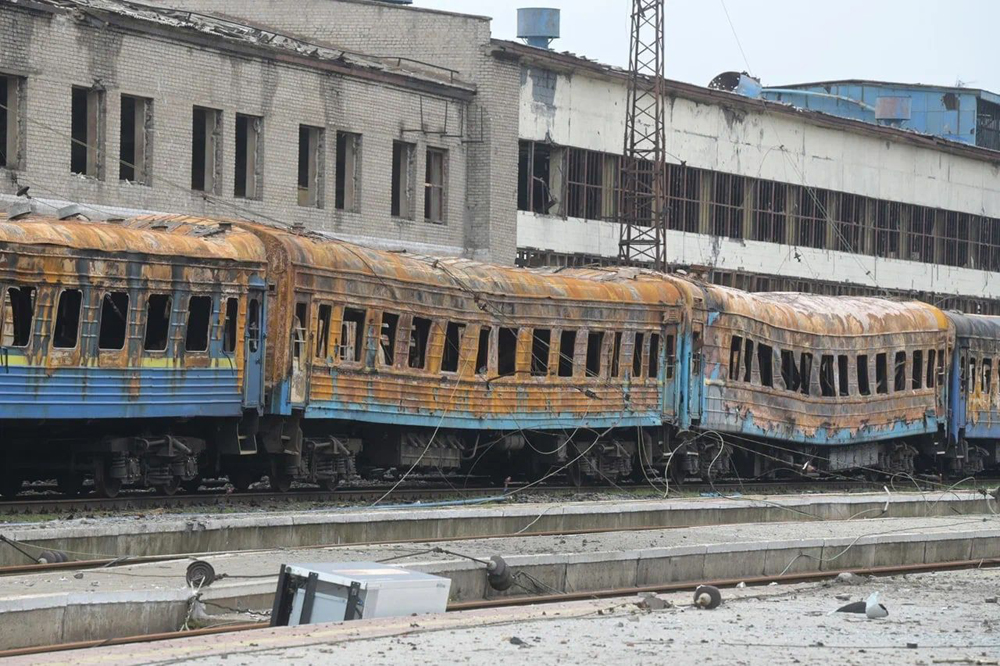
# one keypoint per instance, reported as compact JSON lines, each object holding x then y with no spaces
{"x":177,"y":257}
{"x":823,"y":370}
{"x":975,"y":395}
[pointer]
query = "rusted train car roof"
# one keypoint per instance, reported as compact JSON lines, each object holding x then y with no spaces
{"x":975,"y":326}
{"x":828,"y":315}
{"x":310,"y":249}
{"x":136,"y":237}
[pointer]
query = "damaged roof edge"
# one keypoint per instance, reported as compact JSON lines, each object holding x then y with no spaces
{"x":573,"y":63}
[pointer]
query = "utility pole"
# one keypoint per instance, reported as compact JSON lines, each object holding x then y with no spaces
{"x":641,"y":206}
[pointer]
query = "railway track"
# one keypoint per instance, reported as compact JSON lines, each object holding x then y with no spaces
{"x":140,"y":501}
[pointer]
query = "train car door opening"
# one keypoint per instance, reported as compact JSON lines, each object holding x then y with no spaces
{"x":253,"y":374}
{"x":695,"y":380}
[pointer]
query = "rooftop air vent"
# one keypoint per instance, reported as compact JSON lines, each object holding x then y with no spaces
{"x":538,"y":26}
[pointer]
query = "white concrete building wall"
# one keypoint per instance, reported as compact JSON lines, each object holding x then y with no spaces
{"x":585,"y":111}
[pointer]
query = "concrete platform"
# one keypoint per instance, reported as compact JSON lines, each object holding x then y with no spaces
{"x":140,"y":535}
{"x":947,"y":617}
{"x":147,"y":598}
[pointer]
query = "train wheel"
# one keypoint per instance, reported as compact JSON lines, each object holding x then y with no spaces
{"x":10,"y":483}
{"x":69,"y":484}
{"x":575,"y":473}
{"x":170,"y":487}
{"x":281,"y":483}
{"x":105,"y":484}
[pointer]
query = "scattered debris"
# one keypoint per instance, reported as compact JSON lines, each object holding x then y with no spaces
{"x":707,"y":597}
{"x":847,"y":578}
{"x":514,"y":640}
{"x":740,"y":585}
{"x":650,"y":601}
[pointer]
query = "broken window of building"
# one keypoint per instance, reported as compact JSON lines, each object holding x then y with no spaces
{"x":956,"y":238}
{"x":452,"y":352}
{"x":198,"y":320}
{"x":434,"y":184}
{"x":420,"y":333}
{"x":206,"y":150}
{"x":67,"y":325}
{"x":683,"y":198}
{"x":11,"y":117}
{"x":249,"y":170}
{"x":348,"y":172}
{"x":541,"y":338}
{"x":135,"y":148}
{"x":18,"y":316}
{"x":402,"y":179}
{"x":539,"y":179}
{"x":87,"y":130}
{"x":585,"y":184}
{"x":922,"y":239}
{"x":507,"y":352}
{"x":987,"y":124}
{"x":483,"y":352}
{"x":158,"y":308}
{"x":769,"y":203}
{"x":888,"y":215}
{"x":851,"y":225}
{"x":728,"y":200}
{"x":812,"y":217}
{"x":387,"y":339}
{"x":988,"y":247}
{"x":312,"y":148}
{"x":114,"y":321}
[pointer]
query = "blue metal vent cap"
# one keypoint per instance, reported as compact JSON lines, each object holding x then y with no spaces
{"x":538,"y":26}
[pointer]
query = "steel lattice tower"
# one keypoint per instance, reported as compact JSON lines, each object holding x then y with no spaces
{"x":641,"y":209}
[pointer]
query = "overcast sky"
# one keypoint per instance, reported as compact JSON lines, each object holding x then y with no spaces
{"x":786,"y":41}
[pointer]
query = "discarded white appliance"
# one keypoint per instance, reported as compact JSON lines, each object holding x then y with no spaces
{"x":336,"y":592}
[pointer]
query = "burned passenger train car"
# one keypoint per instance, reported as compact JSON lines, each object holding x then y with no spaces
{"x":974,"y":386}
{"x":821,"y":383}
{"x":122,"y":349}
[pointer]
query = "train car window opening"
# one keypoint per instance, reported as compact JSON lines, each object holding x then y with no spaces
{"x":19,"y":312}
{"x":842,"y":375}
{"x":420,"y":333}
{"x":696,"y":354}
{"x":253,"y":325}
{"x":567,"y":353}
{"x":789,"y":370}
{"x":971,"y":376}
{"x":940,"y":367}
{"x":637,"y":344}
{"x":900,"y":372}
{"x":114,"y":321}
{"x":735,"y":349}
{"x":301,"y":339}
{"x":616,"y":355}
{"x":229,"y":328}
{"x":452,"y":347}
{"x":352,"y":334}
{"x":826,"y":385}
{"x":988,"y":376}
{"x":654,"y":356}
{"x":595,"y":345}
{"x":916,"y":380}
{"x":765,"y":364}
{"x":863,"y":387}
{"x":483,"y":353}
{"x":541,"y":340}
{"x":158,"y":307}
{"x":962,"y":370}
{"x":198,"y":319}
{"x":507,"y":352}
{"x":748,"y":361}
{"x":67,"y":324}
{"x":930,"y":368}
{"x":324,"y":315}
{"x":805,"y":373}
{"x":881,"y":374}
{"x":387,"y":339}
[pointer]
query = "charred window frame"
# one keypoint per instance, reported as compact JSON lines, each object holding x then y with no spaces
{"x":135,"y":157}
{"x":748,"y":354}
{"x":539,"y":178}
{"x":435,"y":185}
{"x":66,"y":328}
{"x":452,"y":352}
{"x":87,"y":129}
{"x":827,"y":389}
{"x":988,"y":376}
{"x":567,"y":353}
{"x":916,"y":377}
{"x":616,"y":355}
{"x":899,"y":371}
{"x":805,"y":373}
{"x":507,"y":351}
{"x":403,"y":169}
{"x":420,"y":333}
{"x":199,"y":316}
{"x":324,"y":316}
{"x":790,"y":371}
{"x":728,"y":204}
{"x":348,"y":180}
{"x":931,"y":360}
{"x":387,"y":339}
{"x":638,"y":341}
{"x":765,"y":364}
{"x":230,"y":325}
{"x":843,"y":375}
{"x":683,"y":198}
{"x":881,"y":374}
{"x":18,"y":316}
{"x":312,"y":167}
{"x":864,"y":388}
{"x":813,"y":212}
{"x":970,"y":377}
{"x":595,"y":353}
{"x":770,"y":199}
{"x":735,"y":356}
{"x":352,"y":335}
{"x":541,"y":341}
{"x":654,"y":356}
{"x":206,"y":150}
{"x":113,"y":326}
{"x":159,"y":308}
{"x":300,"y":334}
{"x":483,"y":351}
{"x":12,"y":121}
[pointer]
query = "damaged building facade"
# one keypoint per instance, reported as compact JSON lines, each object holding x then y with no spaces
{"x":760,"y":195}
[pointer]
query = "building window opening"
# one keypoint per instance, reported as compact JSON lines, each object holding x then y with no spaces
{"x":434,"y":184}
{"x":420,"y":333}
{"x":10,"y":116}
{"x":199,"y":318}
{"x":452,"y":352}
{"x":348,"y":171}
{"x":136,"y":138}
{"x":67,"y":324}
{"x":311,"y":170}
{"x":114,"y":321}
{"x":507,"y":352}
{"x":158,"y":308}
{"x":595,"y":348}
{"x":86,"y":128}
{"x":402,"y":179}
{"x":248,"y":148}
{"x":206,"y":150}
